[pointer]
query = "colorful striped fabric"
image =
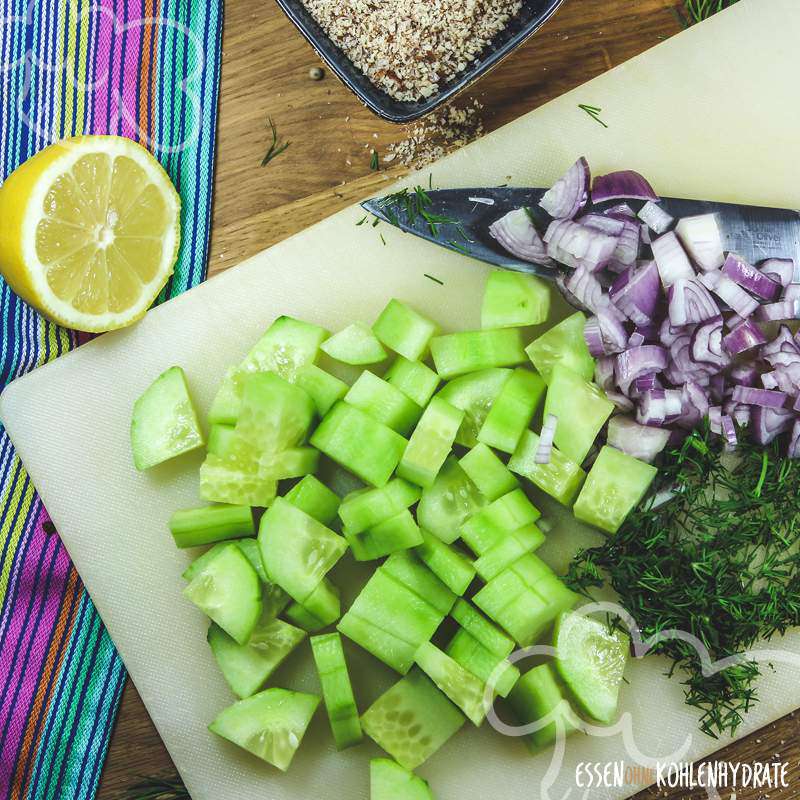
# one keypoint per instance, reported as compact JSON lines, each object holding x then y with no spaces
{"x":149,"y":70}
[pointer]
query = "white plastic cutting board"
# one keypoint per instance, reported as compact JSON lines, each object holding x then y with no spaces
{"x":712,"y":113}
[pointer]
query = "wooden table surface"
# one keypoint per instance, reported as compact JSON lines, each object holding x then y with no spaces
{"x":327,"y":167}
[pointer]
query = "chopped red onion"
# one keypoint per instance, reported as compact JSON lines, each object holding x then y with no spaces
{"x":701,"y":237}
{"x":745,"y":336}
{"x":636,"y":339}
{"x":604,"y":372}
{"x":644,"y":383}
{"x":777,"y":312}
{"x":730,"y":293}
{"x":627,"y":249}
{"x":659,"y":406}
{"x":569,"y":194}
{"x":791,"y":292}
{"x":766,"y":398}
{"x":587,"y":290}
{"x":707,"y":343}
{"x":644,"y":232}
{"x":715,"y":419}
{"x":636,"y":292}
{"x":632,"y":364}
{"x":748,"y":277}
{"x":745,"y":375}
{"x":729,"y":431}
{"x":546,"y":437}
{"x":516,"y":234}
{"x":781,"y":269}
{"x":690,"y":302}
{"x":671,"y":259}
{"x":783,"y":342}
{"x":576,"y":245}
{"x":594,"y":337}
{"x":741,"y":415}
{"x":655,"y":217}
{"x":622,"y":185}
{"x":600,"y":222}
{"x":620,"y":211}
{"x":767,"y":423}
{"x":716,"y":387}
{"x":640,"y":441}
{"x":668,"y":334}
{"x":694,"y":405}
{"x":793,"y":451}
{"x":769,"y":380}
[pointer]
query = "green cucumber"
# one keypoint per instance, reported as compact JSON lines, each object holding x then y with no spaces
{"x":581,"y":408}
{"x":220,"y":438}
{"x":384,"y":403}
{"x":274,"y":598}
{"x":513,"y":410}
{"x":480,"y":629}
{"x":561,"y":478}
{"x":198,"y":526}
{"x":315,"y":498}
{"x":384,"y":645}
{"x":430,"y":443}
{"x":488,"y":472}
{"x":445,"y":506}
{"x":357,"y":442}
{"x":355,"y":345}
{"x":591,"y":660}
{"x":491,"y":524}
{"x":321,"y":608}
{"x":296,"y":549}
{"x":458,"y":353}
{"x":399,"y":532}
{"x":203,"y":560}
{"x":508,"y":550}
{"x":235,"y":481}
{"x":228,"y":591}
{"x":270,"y":724}
{"x":366,"y":508}
{"x":164,"y":422}
{"x":407,"y":569}
{"x":403,"y":330}
{"x":247,"y":667}
{"x":474,"y":394}
{"x":447,"y":562}
{"x":414,"y":379}
{"x":490,"y":668}
{"x":412,"y":720}
{"x":615,"y":485}
{"x":514,"y":299}
{"x":389,"y":781}
{"x":337,"y":691}
{"x":296,"y":462}
{"x":537,"y":696}
{"x":462,"y":687}
{"x":323,"y":388}
{"x":563,"y":344}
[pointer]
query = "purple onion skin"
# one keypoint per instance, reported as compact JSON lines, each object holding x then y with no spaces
{"x":622,"y":185}
{"x":748,"y":277}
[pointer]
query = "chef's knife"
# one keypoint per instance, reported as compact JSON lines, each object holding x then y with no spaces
{"x":754,"y":232}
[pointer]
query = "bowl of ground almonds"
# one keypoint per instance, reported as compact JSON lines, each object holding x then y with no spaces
{"x":403,"y":58}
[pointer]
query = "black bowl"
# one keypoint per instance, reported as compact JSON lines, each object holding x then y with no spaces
{"x":532,"y":15}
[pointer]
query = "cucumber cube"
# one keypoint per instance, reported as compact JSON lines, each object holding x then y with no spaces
{"x":403,"y":330}
{"x":321,"y":608}
{"x":323,"y":388}
{"x":299,"y":615}
{"x":412,"y":720}
{"x":414,"y":379}
{"x":359,"y":443}
{"x":563,"y":344}
{"x":509,"y":549}
{"x":164,"y":422}
{"x":460,"y":685}
{"x":203,"y":560}
{"x":514,"y":299}
{"x":296,"y":462}
{"x":385,"y":646}
{"x":582,"y":409}
{"x":315,"y":498}
{"x":220,"y":438}
{"x":561,"y":478}
{"x":247,"y":667}
{"x":296,"y":549}
{"x":494,"y":522}
{"x":469,"y":351}
{"x":228,"y":591}
{"x":270,"y":724}
{"x":430,"y":443}
{"x":355,"y":345}
{"x":615,"y":485}
{"x":488,"y":472}
{"x":390,"y":536}
{"x":489,"y":667}
{"x":366,"y":508}
{"x":197,"y":526}
{"x":447,"y":562}
{"x":513,"y":410}
{"x":235,"y":480}
{"x":337,"y":691}
{"x":407,"y":569}
{"x":384,"y":403}
{"x":480,"y":629}
{"x":389,"y":781}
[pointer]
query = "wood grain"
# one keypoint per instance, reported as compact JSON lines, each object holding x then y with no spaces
{"x":327,"y":167}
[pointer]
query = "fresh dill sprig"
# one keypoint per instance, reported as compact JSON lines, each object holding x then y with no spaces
{"x":158,"y":789}
{"x":720,"y":560}
{"x":434,"y":279}
{"x":275,"y":149}
{"x":594,"y":112}
{"x":699,"y":10}
{"x":374,"y":164}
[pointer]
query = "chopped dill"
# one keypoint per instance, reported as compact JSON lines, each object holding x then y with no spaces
{"x":374,"y":165}
{"x":275,"y":149}
{"x":594,"y":112}
{"x":432,"y":278}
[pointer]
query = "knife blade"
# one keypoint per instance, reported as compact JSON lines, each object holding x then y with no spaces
{"x":459,"y":220}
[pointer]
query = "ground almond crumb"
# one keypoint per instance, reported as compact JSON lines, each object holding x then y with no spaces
{"x":409,"y":48}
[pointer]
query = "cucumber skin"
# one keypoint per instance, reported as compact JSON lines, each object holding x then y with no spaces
{"x":366,"y":508}
{"x":448,"y":563}
{"x":399,"y":532}
{"x":458,"y":353}
{"x":473,"y":656}
{"x":194,"y":527}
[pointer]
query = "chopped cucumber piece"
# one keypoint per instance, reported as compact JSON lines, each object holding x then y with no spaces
{"x":197,"y":526}
{"x":296,"y":549}
{"x":474,"y":394}
{"x":414,"y":379}
{"x":296,"y":462}
{"x":355,"y":345}
{"x":228,"y":591}
{"x":304,"y":619}
{"x":447,"y":562}
{"x":247,"y":667}
{"x":564,"y":344}
{"x":412,"y":720}
{"x":324,"y":603}
{"x":488,"y":472}
{"x":581,"y":408}
{"x":322,"y":387}
{"x":387,"y":647}
{"x":203,"y":560}
{"x":315,"y":498}
{"x":460,"y":685}
{"x":561,"y":478}
{"x":537,"y":696}
{"x":270,"y":724}
{"x":513,"y":410}
{"x":469,"y":351}
{"x":384,"y":403}
{"x":359,"y":443}
{"x":508,"y":550}
{"x":453,"y":499}
{"x":403,"y":330}
{"x":220,"y":438}
{"x":480,"y":629}
{"x":389,"y":781}
{"x":337,"y":690}
{"x":494,"y":522}
{"x":273,"y":597}
{"x":396,"y":533}
{"x":227,"y":402}
{"x":615,"y":485}
{"x":366,"y":508}
{"x":489,"y":667}
{"x":234,"y":480}
{"x":514,"y":299}
{"x":164,"y":422}
{"x":430,"y":443}
{"x":408,"y":570}
{"x":591,"y":660}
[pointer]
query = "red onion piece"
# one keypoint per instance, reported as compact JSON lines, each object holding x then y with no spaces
{"x":767,"y":423}
{"x":791,"y":292}
{"x":644,"y":232}
{"x":777,"y":312}
{"x":715,"y":419}
{"x":545,"y":446}
{"x":638,"y":361}
{"x":707,"y":343}
{"x":793,"y":451}
{"x":745,"y":336}
{"x":748,"y":277}
{"x":655,"y":217}
{"x":671,"y":259}
{"x":604,"y":372}
{"x":613,"y":227}
{"x":701,"y":238}
{"x":620,"y":211}
{"x":627,"y":250}
{"x":729,"y":431}
{"x":516,"y":234}
{"x":765,"y":398}
{"x":694,"y":405}
{"x":781,"y":269}
{"x":730,"y":293}
{"x":745,"y":375}
{"x":577,"y":245}
{"x":593,"y":337}
{"x":741,"y":415}
{"x":636,"y":339}
{"x":640,"y":441}
{"x":690,"y":302}
{"x":659,"y":406}
{"x":783,"y":342}
{"x":622,"y":185}
{"x":568,"y":194}
{"x":637,"y":292}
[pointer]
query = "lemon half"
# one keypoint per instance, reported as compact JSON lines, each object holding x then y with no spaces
{"x":89,"y":231}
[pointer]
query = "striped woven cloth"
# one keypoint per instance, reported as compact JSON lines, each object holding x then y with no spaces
{"x":149,"y":70}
